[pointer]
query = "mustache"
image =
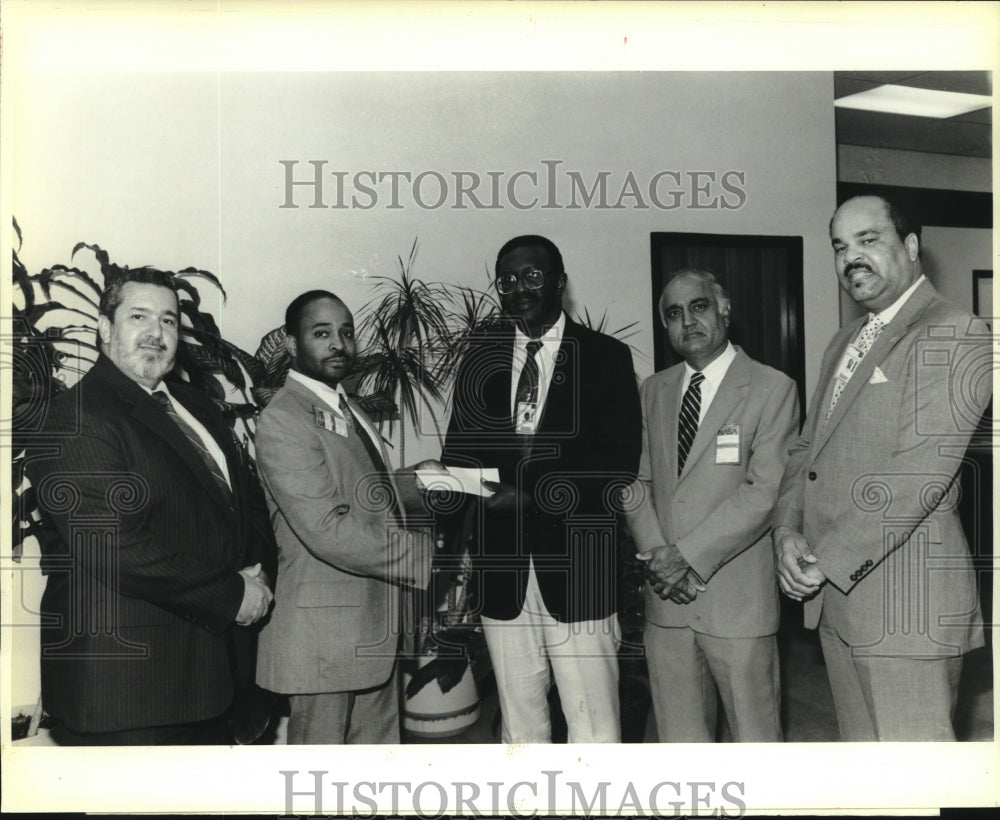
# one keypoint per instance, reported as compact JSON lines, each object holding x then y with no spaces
{"x":149,"y":341}
{"x":853,"y":266}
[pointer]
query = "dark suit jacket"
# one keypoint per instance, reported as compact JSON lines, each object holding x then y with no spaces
{"x":143,"y":557}
{"x":874,"y":489}
{"x":586,"y":449}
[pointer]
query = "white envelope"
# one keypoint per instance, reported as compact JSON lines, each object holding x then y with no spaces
{"x":878,"y":377}
{"x":459,"y":480}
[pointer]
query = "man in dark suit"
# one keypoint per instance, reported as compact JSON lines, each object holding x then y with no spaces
{"x":160,"y":533}
{"x":717,"y":430}
{"x":554,"y":407}
{"x":866,"y":526}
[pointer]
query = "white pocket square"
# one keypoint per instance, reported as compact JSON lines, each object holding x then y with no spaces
{"x":878,"y":377}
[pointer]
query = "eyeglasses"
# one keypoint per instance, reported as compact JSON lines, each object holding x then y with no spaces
{"x":533,"y":279}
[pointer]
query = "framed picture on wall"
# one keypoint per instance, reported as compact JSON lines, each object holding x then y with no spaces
{"x":982,"y":292}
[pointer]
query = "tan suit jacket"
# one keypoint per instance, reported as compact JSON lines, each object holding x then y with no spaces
{"x":342,"y":563}
{"x":718,"y":515}
{"x":874,"y":489}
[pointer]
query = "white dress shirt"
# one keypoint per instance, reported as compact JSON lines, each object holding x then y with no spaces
{"x":890,"y":312}
{"x":545,"y":357}
{"x":714,"y":372}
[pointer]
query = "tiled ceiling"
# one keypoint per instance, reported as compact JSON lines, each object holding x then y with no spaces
{"x":968,"y":135}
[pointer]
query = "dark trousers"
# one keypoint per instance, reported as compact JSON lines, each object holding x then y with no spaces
{"x":203,"y":733}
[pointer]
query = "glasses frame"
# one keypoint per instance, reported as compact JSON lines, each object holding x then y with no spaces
{"x":504,"y":290}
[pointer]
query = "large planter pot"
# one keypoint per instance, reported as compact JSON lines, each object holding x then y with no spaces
{"x":431,"y":713}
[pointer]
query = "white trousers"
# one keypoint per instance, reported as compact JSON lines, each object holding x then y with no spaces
{"x":532,"y":649}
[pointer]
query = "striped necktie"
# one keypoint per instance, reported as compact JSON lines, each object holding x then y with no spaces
{"x":199,"y":445}
{"x":687,"y":422}
{"x":527,"y":391}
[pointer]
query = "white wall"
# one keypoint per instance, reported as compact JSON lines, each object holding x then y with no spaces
{"x":949,"y":257}
{"x":177,"y":170}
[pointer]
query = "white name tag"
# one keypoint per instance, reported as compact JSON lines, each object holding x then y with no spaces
{"x":727,"y":444}
{"x":526,"y":417}
{"x":329,"y":421}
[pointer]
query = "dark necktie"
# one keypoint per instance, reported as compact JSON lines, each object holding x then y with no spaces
{"x":376,"y":457}
{"x":527,"y":383}
{"x":527,"y":391}
{"x":687,"y":422}
{"x":196,"y":442}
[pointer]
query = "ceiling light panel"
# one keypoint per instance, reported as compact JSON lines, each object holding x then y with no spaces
{"x":915,"y":102}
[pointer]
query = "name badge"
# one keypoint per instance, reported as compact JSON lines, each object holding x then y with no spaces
{"x":727,"y":444}
{"x":329,"y":421}
{"x":526,"y":417}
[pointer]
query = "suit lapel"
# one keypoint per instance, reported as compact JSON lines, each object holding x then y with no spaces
{"x":670,"y":406}
{"x":147,"y":412}
{"x":559,"y":400}
{"x":890,"y":336}
{"x":729,"y":394}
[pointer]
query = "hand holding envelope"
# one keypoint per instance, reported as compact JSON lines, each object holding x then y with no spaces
{"x":433,"y":476}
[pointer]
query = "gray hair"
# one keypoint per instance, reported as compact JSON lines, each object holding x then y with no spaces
{"x":721,"y":297}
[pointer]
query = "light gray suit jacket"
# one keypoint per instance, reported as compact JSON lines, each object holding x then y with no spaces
{"x":718,"y":515}
{"x":336,"y":617}
{"x":874,"y":490}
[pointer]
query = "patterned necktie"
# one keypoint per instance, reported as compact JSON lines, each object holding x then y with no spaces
{"x":527,"y":391}
{"x":196,"y":441}
{"x":687,"y":422}
{"x":866,"y":338}
{"x":376,"y":457}
{"x":527,"y":382}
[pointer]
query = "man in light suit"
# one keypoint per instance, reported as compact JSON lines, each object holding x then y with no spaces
{"x":160,"y":534}
{"x":554,"y":407}
{"x":717,"y":429}
{"x":332,"y":640}
{"x":866,"y":528}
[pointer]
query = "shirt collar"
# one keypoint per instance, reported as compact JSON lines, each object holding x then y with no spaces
{"x":161,"y":387}
{"x":890,"y":312}
{"x":331,"y":395}
{"x":552,"y":336}
{"x":716,"y":369}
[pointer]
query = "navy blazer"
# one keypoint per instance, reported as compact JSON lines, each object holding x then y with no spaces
{"x":142,"y":556}
{"x":585,"y":450}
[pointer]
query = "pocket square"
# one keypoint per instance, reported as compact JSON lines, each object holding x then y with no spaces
{"x":878,"y":377}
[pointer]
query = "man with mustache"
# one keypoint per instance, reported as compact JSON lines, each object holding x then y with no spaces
{"x":160,"y":534}
{"x":553,"y":406}
{"x":717,"y":429}
{"x":866,"y":527}
{"x":345,"y":555}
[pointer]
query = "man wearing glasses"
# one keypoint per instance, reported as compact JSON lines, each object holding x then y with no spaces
{"x":554,"y":407}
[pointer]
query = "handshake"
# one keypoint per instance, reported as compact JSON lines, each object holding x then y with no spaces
{"x":257,"y":596}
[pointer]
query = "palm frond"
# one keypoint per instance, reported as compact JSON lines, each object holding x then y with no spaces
{"x":201,"y":274}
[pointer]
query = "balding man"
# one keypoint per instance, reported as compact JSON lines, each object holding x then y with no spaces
{"x":716,"y":434}
{"x":866,"y":528}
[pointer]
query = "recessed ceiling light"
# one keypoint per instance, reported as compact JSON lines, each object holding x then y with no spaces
{"x":915,"y":102}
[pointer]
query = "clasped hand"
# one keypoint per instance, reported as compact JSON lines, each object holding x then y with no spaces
{"x":671,"y":575}
{"x":798,"y":575}
{"x":257,"y":596}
